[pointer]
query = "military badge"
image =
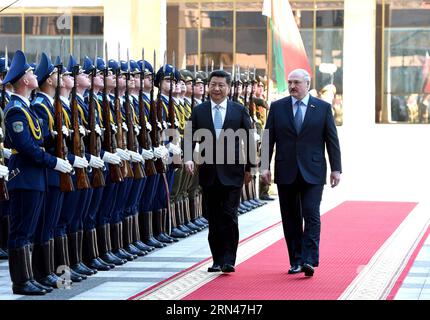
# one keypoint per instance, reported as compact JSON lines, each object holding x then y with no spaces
{"x":18,"y":127}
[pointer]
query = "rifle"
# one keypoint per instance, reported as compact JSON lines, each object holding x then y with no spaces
{"x":3,"y":89}
{"x":172,"y":114}
{"x":94,"y":139}
{"x":126,"y":167}
{"x":138,"y":172}
{"x":108,"y":141}
{"x":4,"y":194}
{"x":236,"y":85}
{"x":251,"y":103}
{"x":82,"y":181}
{"x":193,"y":85}
{"x":156,"y":122}
{"x":66,"y":183}
{"x":144,"y":139}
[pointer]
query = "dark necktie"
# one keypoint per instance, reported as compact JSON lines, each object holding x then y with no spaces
{"x":298,"y":118}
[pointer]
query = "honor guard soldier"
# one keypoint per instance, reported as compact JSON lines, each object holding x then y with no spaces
{"x":261,"y":110}
{"x":150,"y":196}
{"x":105,"y":209}
{"x":4,"y":155}
{"x":165,"y":79}
{"x":27,"y":190}
{"x":135,"y":199}
{"x":91,"y":254}
{"x":43,"y":106}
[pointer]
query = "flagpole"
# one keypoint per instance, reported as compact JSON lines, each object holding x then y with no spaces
{"x":269,"y":56}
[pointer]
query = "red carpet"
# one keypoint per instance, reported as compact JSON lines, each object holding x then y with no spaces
{"x":351,"y":235}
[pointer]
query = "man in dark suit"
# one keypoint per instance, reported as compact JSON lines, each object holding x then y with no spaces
{"x":302,"y":126}
{"x":221,"y":180}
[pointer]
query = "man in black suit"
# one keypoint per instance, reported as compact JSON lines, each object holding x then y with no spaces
{"x":223,"y":168}
{"x":302,"y":126}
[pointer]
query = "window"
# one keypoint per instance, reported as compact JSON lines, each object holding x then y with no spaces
{"x":10,"y":30}
{"x":402,"y":61}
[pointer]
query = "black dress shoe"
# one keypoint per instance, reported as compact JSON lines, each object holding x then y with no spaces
{"x":227,"y":268}
{"x":308,"y":270}
{"x":267,"y":198}
{"x":215,"y":268}
{"x":295,"y":269}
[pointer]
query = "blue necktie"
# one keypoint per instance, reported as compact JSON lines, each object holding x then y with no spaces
{"x":298,"y":119}
{"x":217,"y":121}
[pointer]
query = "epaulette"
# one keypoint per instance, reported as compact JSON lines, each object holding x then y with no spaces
{"x":38,"y":100}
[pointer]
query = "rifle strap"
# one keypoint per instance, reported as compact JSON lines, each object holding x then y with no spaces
{"x":67,"y":121}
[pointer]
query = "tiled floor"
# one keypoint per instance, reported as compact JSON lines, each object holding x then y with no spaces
{"x":416,"y":285}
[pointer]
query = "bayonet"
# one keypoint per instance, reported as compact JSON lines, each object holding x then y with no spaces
{"x":6,"y":59}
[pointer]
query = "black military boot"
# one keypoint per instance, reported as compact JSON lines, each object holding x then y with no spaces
{"x":135,"y":235}
{"x":103,"y":238}
{"x":90,"y":254}
{"x":176,"y":232}
{"x":117,"y":248}
{"x":146,"y":230}
{"x":187,"y":216}
{"x":158,"y":223}
{"x":43,"y":266}
{"x":21,"y":273}
{"x":75,"y":250}
{"x":128,"y":237}
{"x":167,"y":225}
{"x":62,"y":260}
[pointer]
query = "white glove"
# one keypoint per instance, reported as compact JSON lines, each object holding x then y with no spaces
{"x":114,"y":128}
{"x":176,"y":123}
{"x":173,"y":148}
{"x":65,"y":131}
{"x":165,"y":125}
{"x":96,"y":162}
{"x":148,"y":126}
{"x":147,"y":154}
{"x":98,"y":130}
{"x":80,"y":162}
{"x":124,"y":126}
{"x":159,"y":125}
{"x":257,"y":136}
{"x":7,"y":153}
{"x":63,"y":166}
{"x":165,"y":152}
{"x":4,"y":172}
{"x":136,"y":130}
{"x":82,"y":130}
{"x":135,"y":157}
{"x":122,"y":154}
{"x":159,"y":152}
{"x":111,"y":158}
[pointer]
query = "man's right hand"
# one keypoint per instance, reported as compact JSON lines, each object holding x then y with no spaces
{"x":63,"y":166}
{"x":266,"y":175}
{"x":189,"y":166}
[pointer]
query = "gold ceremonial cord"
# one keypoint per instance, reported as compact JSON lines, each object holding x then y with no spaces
{"x":67,"y":121}
{"x":50,"y":118}
{"x":35,"y":128}
{"x":99,"y":110}
{"x":81,"y":111}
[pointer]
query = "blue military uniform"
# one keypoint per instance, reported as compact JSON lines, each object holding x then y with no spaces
{"x":27,"y":190}
{"x":4,"y":205}
{"x":43,"y":252}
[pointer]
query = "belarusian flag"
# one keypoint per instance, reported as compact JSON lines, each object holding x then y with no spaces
{"x":287,"y":45}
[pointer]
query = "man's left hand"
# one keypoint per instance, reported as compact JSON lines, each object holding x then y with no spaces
{"x":248,"y":177}
{"x":334,"y":178}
